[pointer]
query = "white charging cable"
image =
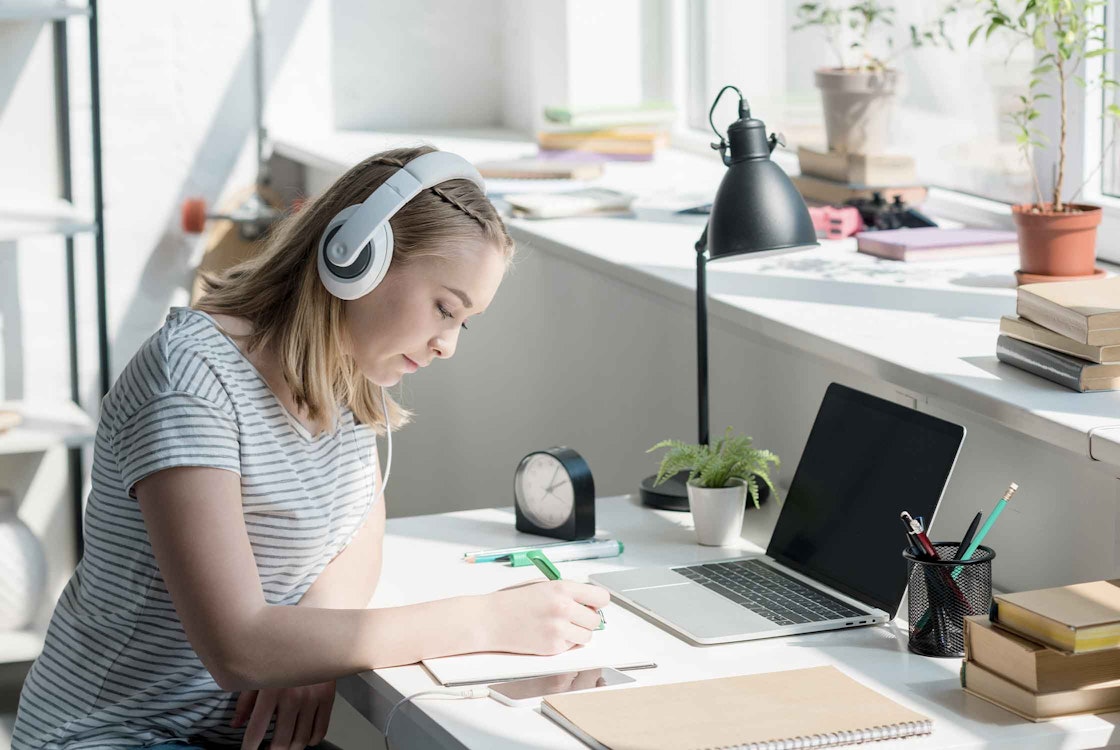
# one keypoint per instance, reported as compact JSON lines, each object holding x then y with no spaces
{"x":453,"y":693}
{"x":389,"y":437}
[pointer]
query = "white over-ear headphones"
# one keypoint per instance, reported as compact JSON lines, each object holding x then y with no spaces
{"x":355,"y":249}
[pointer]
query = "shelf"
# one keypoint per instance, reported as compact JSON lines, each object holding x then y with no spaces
{"x":46,"y":425}
{"x":20,"y":646}
{"x":29,"y":220}
{"x":28,"y":11}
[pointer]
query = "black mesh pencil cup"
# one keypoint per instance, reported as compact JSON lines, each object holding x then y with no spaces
{"x":942,"y":593}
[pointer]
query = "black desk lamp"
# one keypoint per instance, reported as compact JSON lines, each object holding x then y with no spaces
{"x":756,"y":210}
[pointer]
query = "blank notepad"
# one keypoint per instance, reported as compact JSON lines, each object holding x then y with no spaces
{"x":800,"y":708}
{"x":613,"y":647}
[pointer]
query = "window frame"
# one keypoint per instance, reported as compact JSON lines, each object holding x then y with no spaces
{"x":685,"y":65}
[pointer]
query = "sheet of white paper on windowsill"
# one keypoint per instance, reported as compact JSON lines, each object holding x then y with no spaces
{"x":613,"y":646}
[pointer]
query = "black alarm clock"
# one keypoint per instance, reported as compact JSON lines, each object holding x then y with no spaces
{"x":554,"y":494}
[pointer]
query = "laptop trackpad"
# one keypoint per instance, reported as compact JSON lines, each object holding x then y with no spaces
{"x":703,"y":613}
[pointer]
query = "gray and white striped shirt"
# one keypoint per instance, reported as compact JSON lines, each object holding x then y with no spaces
{"x":117,"y":669}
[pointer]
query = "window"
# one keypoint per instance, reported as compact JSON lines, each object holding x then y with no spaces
{"x":952,"y":116}
{"x":1108,"y":131}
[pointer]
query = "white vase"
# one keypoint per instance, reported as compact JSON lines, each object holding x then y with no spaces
{"x":717,"y":512}
{"x":23,"y":568}
{"x":858,"y":107}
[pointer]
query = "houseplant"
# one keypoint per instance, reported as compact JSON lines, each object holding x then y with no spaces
{"x":1056,"y":237}
{"x":721,"y":477}
{"x":858,"y":94}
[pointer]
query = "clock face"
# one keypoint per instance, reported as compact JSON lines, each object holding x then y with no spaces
{"x":544,"y":490}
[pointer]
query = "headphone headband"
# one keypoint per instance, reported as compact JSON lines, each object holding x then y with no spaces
{"x":355,"y":249}
{"x":402,"y":186}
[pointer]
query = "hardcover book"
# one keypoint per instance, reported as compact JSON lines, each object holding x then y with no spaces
{"x":1062,"y":369}
{"x":935,"y":243}
{"x":1033,"y":333}
{"x":991,"y":687}
{"x":858,"y":169}
{"x":1033,"y":666}
{"x":1077,"y":618}
{"x":838,"y":193}
{"x":1086,"y":311}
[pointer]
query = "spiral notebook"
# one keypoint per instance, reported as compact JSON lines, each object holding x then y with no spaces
{"x":799,"y":708}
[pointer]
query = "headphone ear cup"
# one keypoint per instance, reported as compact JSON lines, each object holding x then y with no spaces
{"x":369,"y":267}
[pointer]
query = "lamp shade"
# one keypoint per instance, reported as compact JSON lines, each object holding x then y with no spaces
{"x":757,"y":208}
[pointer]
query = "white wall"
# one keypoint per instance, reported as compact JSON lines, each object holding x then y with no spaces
{"x":417,"y":64}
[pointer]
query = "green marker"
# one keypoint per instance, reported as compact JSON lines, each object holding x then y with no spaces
{"x":545,"y":566}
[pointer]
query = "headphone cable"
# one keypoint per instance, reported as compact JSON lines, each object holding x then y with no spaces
{"x":453,"y":693}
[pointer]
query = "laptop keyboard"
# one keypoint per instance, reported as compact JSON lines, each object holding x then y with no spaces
{"x":780,"y":598}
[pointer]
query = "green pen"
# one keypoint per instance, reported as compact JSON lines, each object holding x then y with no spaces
{"x":545,"y":566}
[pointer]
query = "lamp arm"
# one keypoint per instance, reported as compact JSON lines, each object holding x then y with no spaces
{"x":702,"y":334}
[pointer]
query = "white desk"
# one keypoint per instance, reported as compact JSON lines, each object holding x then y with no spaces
{"x":423,"y":562}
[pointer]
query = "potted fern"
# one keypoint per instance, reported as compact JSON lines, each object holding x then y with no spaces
{"x":858,"y":94}
{"x":1057,"y":237}
{"x":720,"y":478}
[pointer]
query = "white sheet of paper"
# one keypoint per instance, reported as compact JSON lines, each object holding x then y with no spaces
{"x":608,"y":648}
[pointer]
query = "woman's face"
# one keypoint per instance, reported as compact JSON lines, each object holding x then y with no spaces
{"x":417,"y":311}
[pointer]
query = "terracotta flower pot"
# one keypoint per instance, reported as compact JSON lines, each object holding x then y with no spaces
{"x":858,"y":106}
{"x":1057,"y":244}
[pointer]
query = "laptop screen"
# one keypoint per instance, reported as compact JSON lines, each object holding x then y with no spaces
{"x":866,"y":460}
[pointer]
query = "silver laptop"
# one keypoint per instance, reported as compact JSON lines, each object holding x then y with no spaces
{"x":835,"y":557}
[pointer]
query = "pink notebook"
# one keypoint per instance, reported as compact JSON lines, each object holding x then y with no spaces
{"x":935,"y":243}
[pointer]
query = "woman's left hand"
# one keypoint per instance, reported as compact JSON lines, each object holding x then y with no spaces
{"x":302,"y":714}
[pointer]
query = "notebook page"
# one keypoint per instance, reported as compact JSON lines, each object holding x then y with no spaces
{"x":728,"y":712}
{"x":612,"y":647}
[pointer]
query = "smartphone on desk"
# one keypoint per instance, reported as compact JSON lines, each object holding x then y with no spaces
{"x":530,"y":690}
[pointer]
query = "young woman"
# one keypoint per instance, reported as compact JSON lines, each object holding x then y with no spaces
{"x":234,"y":528}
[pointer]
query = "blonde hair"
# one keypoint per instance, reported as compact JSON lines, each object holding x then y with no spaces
{"x":279,"y":292}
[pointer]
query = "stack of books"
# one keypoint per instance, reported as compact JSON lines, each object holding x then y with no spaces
{"x":1049,"y":652}
{"x":606,"y":134}
{"x":835,"y":178}
{"x":1067,"y":332}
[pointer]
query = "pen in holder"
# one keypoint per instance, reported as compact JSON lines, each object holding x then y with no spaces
{"x":942,"y":593}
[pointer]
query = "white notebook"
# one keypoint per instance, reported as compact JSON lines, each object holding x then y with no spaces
{"x":610,"y":647}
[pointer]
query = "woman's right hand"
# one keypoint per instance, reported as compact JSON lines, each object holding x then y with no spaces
{"x":545,"y":618}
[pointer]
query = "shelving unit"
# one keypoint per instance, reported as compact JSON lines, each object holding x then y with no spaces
{"x":64,"y":423}
{"x":58,"y":218}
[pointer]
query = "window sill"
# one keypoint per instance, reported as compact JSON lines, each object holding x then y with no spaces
{"x":928,"y":328}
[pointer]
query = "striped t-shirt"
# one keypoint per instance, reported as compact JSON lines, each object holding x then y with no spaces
{"x":117,"y":669}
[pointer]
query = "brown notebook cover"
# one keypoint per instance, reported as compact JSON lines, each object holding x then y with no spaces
{"x":736,"y":712}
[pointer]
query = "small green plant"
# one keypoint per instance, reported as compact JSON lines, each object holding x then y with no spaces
{"x":1064,"y":34}
{"x":862,"y":33}
{"x":715,"y":465}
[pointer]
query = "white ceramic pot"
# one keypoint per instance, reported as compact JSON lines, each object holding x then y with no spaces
{"x":718,"y":512}
{"x":858,"y":107}
{"x":23,"y":568}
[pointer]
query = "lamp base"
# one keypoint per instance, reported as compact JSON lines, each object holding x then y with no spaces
{"x":672,"y":494}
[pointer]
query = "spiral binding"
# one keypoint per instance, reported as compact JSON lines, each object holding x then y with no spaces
{"x":835,"y":739}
